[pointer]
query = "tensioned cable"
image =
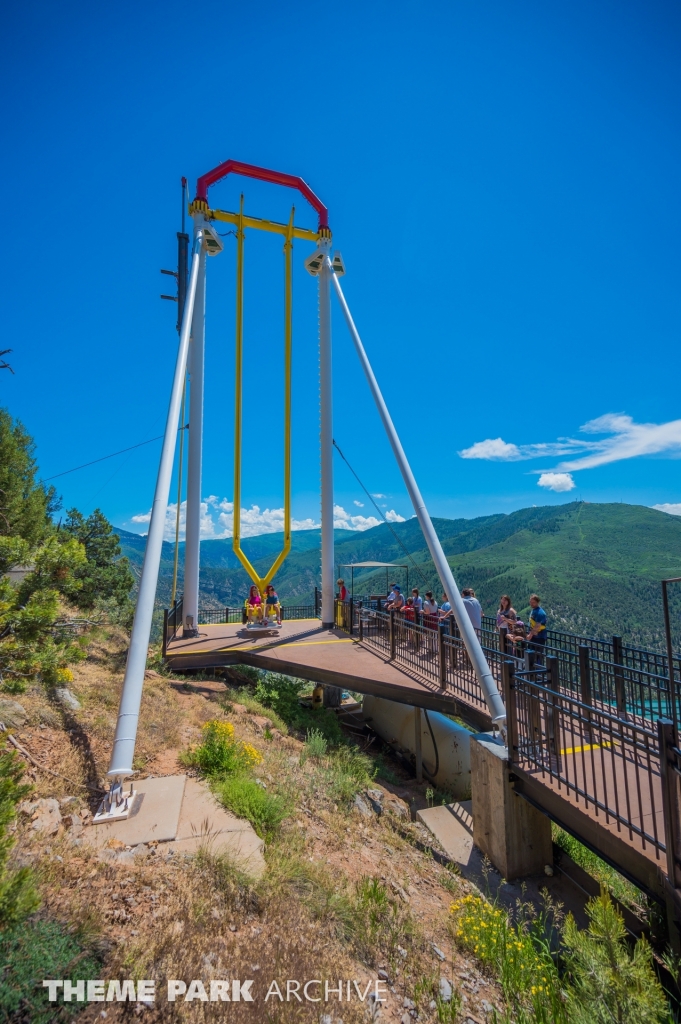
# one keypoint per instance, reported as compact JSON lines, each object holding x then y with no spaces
{"x":105,"y":457}
{"x":409,"y":556}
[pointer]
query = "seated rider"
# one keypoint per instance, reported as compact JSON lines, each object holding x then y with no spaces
{"x":254,"y":605}
{"x":272,"y":605}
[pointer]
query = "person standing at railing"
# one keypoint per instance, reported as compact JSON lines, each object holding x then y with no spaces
{"x":342,"y":590}
{"x":395,"y":600}
{"x":430,"y":611}
{"x":537,"y":634}
{"x":473,"y":607}
{"x":507,"y":615}
{"x":416,"y":600}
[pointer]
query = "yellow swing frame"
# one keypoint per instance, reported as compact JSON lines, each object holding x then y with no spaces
{"x":289,"y":233}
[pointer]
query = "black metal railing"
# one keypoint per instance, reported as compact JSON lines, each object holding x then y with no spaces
{"x":218,"y":616}
{"x":609,"y":766}
{"x":424,"y":646}
{"x":172,"y":621}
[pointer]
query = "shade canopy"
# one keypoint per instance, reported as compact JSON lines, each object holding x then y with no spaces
{"x":372,"y":565}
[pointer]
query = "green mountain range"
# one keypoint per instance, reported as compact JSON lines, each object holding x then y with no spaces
{"x":596,"y":567}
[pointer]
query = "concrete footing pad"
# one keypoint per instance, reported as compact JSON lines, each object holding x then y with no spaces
{"x":452,"y":826}
{"x":182,"y":816}
{"x":154,"y":818}
{"x":204,"y":823}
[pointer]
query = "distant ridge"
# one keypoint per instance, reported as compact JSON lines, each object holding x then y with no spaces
{"x":596,"y":567}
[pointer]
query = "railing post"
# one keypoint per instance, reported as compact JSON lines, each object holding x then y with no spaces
{"x":553,"y":667}
{"x":392,"y":634}
{"x":316,"y":602}
{"x":352,"y":617}
{"x":244,"y":617}
{"x":441,"y":655}
{"x":585,"y":682}
{"x":165,"y":633}
{"x":361,"y":624}
{"x":508,"y":684}
{"x":618,"y":669}
{"x":453,"y":651}
{"x":503,"y":633}
{"x":226,"y":614}
{"x":670,"y":798}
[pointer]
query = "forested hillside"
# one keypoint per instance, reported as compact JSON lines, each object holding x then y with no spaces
{"x":596,"y":567}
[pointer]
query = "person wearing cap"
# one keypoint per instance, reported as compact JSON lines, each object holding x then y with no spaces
{"x":397,"y":602}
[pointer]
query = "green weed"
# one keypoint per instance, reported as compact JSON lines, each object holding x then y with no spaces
{"x":245,"y":798}
{"x":315,"y":747}
{"x":281,"y":694}
{"x":518,"y":954}
{"x":45,"y":950}
{"x":346,"y":771}
{"x":619,"y":887}
{"x":219,"y":753}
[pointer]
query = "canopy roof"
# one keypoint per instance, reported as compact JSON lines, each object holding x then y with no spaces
{"x":373,"y":565}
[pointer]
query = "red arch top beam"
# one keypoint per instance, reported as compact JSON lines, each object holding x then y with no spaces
{"x":262,"y":174}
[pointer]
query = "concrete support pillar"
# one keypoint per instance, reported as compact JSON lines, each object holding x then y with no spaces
{"x":512,"y":834}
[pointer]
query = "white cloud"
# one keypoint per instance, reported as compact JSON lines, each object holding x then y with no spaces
{"x":359,"y":504}
{"x":379,"y":495}
{"x":672,"y":509}
{"x":556,"y":481}
{"x":217,"y":520}
{"x":492,"y":448}
{"x":626,"y":440}
{"x":344,"y":521}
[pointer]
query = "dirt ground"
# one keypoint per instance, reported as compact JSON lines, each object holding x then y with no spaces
{"x":198,"y":917}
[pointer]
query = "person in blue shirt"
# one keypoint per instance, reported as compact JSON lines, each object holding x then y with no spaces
{"x":445,"y":609}
{"x":537,"y":633}
{"x":473,"y":607}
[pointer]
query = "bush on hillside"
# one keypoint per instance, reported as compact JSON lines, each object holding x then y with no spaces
{"x":104,"y":575}
{"x":18,"y":896}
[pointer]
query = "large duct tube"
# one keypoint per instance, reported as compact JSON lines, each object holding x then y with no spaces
{"x":446,"y":752}
{"x":128,"y":711}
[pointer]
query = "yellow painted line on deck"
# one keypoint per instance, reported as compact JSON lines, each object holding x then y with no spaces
{"x":265,"y":647}
{"x":587,"y":746}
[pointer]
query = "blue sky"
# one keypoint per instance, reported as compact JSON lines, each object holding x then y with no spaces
{"x":502,"y":181}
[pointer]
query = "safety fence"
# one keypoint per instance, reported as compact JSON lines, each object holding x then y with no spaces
{"x":427,"y":649}
{"x":622,"y":773}
{"x":218,"y":616}
{"x":630,"y":682}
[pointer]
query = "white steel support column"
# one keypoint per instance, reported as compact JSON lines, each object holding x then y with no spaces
{"x":192,"y":543}
{"x":475,"y":652}
{"x":128,"y":712}
{"x":326,"y":435}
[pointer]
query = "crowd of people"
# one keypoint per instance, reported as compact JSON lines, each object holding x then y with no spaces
{"x":426,"y":611}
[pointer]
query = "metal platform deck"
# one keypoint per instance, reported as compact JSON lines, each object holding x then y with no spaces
{"x":305,"y":650}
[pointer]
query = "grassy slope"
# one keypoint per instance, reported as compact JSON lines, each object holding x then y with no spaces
{"x":597,"y":567}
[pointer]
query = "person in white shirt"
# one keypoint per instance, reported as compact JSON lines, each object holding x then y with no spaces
{"x":430,"y":611}
{"x":473,"y":607}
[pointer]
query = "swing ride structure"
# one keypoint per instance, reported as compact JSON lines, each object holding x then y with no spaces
{"x":327,"y":266}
